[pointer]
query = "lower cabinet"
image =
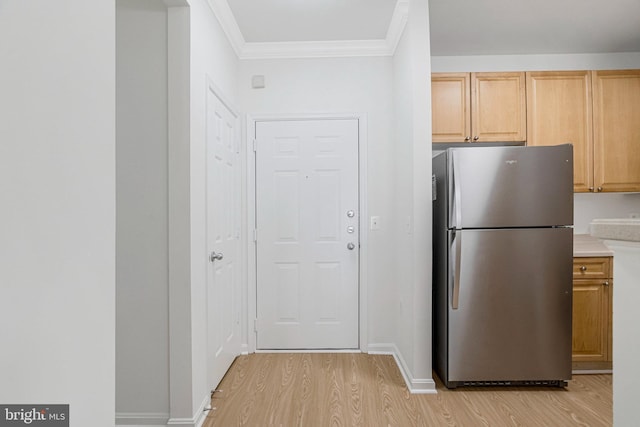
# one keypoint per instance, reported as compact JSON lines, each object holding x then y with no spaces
{"x":592,"y":297}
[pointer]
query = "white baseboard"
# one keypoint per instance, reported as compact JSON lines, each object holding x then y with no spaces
{"x":244,"y":349}
{"x":382,"y":349}
{"x":133,"y":424}
{"x":139,"y":419}
{"x":202,"y":413}
{"x":415,"y":385}
{"x":196,"y":421}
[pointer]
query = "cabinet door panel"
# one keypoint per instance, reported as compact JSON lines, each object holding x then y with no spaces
{"x":498,"y":107}
{"x":590,"y":337}
{"x":616,"y":100}
{"x":559,"y":112}
{"x":450,"y":113}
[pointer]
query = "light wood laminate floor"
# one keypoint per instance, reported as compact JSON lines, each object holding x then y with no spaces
{"x":353,"y":389}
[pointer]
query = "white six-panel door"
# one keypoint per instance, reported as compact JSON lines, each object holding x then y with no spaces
{"x":223,"y":238}
{"x":307,"y":224}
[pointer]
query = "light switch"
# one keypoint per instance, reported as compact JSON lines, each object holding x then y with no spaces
{"x":257,"y":82}
{"x":375,"y":223}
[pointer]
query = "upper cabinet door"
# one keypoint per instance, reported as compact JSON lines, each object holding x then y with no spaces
{"x":498,"y":107}
{"x":616,"y":117}
{"x":450,"y":112}
{"x":559,"y":112}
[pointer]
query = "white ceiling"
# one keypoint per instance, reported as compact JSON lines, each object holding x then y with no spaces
{"x":458,"y":27}
{"x":312,"y":20}
{"x":495,"y":27}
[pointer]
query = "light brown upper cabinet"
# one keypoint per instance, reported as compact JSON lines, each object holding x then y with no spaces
{"x":451,"y":107}
{"x":599,"y":113}
{"x":478,"y":107}
{"x":559,"y":112}
{"x":616,"y":130}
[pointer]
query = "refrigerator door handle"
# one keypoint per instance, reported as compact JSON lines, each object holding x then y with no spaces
{"x":457,"y":253}
{"x":457,"y":197}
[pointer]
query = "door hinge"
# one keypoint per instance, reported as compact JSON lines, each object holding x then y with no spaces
{"x":255,"y":145}
{"x":255,"y":325}
{"x":255,"y":235}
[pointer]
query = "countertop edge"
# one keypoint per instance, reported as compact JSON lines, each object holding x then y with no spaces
{"x":585,"y":245}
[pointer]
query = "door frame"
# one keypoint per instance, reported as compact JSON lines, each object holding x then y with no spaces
{"x":251,"y":120}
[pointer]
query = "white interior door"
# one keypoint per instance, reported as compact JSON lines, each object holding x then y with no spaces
{"x":307,"y":234}
{"x":223,"y":238}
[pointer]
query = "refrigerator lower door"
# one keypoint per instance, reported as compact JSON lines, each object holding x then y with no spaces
{"x":509,"y":309}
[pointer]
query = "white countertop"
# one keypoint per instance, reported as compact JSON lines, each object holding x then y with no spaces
{"x":585,"y":245}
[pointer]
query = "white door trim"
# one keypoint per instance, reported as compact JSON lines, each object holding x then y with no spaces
{"x":251,"y":213}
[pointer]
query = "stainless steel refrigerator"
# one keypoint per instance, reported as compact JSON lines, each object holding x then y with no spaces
{"x":502,"y":274}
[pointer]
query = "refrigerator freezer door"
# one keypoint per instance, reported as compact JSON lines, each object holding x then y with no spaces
{"x":501,"y":187}
{"x":513,"y":317}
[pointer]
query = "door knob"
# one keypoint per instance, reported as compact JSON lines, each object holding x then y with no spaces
{"x":215,"y":256}
{"x":350,"y":246}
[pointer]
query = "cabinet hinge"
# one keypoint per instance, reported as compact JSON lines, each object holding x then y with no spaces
{"x":255,"y":325}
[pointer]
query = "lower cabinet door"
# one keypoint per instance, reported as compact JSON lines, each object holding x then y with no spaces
{"x":591,"y":317}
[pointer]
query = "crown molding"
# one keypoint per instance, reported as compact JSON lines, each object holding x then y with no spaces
{"x":398,"y":22}
{"x":313,"y":49}
{"x":227,"y":21}
{"x":325,"y":49}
